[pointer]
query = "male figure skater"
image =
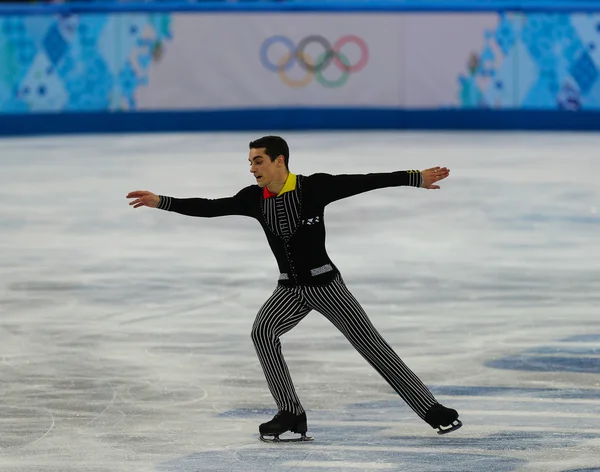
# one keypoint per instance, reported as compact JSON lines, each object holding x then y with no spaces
{"x":290,"y":210}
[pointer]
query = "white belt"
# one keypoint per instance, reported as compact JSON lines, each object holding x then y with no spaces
{"x":313,"y":272}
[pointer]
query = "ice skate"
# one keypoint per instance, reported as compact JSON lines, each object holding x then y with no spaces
{"x":445,"y":420}
{"x":282,"y":422}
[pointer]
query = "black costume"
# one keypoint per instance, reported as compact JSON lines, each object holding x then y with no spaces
{"x":295,"y":229}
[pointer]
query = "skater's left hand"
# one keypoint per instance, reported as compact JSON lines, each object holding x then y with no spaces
{"x":432,"y":175}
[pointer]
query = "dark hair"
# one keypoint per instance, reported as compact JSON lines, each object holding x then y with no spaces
{"x":274,"y":146}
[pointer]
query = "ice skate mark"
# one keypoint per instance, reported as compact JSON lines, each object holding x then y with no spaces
{"x":46,"y":433}
{"x":144,"y":318}
{"x":397,"y":449}
{"x":228,"y":426}
{"x":231,"y":414}
{"x":553,"y":394}
{"x":50,"y":428}
{"x":129,"y":390}
{"x":342,"y":465}
{"x":509,"y":399}
{"x":542,"y":414}
{"x":159,"y":394}
{"x":593,"y":469}
{"x":538,"y":217}
{"x":176,"y":349}
{"x":328,"y":459}
{"x":45,"y":286}
{"x":380,"y":427}
{"x":237,"y":450}
{"x":221,"y":413}
{"x":208,"y":303}
{"x":505,"y":440}
{"x":189,"y":402}
{"x":106,"y":408}
{"x":145,"y":384}
{"x":112,"y":315}
{"x":14,"y":363}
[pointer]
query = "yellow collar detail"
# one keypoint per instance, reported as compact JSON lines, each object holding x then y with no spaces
{"x":290,"y":184}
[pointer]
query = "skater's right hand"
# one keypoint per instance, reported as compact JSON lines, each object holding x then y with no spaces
{"x":143,"y":198}
{"x":432,"y":175}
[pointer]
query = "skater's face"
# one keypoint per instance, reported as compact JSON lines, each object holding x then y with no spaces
{"x":263,"y":169}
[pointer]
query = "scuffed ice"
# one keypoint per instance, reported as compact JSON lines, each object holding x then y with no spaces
{"x":125,"y":334}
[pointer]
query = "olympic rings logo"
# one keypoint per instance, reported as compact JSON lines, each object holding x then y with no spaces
{"x":314,"y":68}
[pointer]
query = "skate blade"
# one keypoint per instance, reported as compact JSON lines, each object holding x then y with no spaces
{"x":456,"y":425}
{"x":277,"y":439}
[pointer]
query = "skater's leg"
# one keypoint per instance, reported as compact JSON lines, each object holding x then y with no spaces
{"x":340,"y":307}
{"x":279,"y":314}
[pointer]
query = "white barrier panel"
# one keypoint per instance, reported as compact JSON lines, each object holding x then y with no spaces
{"x":437,"y":49}
{"x":307,"y":60}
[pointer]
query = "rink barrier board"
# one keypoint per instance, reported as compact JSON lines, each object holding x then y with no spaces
{"x":306,"y":118}
{"x":297,"y":120}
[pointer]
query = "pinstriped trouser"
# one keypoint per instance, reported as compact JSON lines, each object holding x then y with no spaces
{"x":287,"y":306}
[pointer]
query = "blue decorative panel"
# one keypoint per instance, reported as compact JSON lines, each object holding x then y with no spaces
{"x":91,"y":62}
{"x":548,"y":61}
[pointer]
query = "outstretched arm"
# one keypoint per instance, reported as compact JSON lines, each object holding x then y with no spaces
{"x":337,"y":187}
{"x":200,"y":207}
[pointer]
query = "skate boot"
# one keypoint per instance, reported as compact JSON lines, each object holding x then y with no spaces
{"x":443,"y":419}
{"x":284,"y":421}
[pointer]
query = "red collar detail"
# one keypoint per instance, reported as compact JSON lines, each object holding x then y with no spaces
{"x":267,"y":193}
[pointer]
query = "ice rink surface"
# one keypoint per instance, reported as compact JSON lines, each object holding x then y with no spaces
{"x":125,"y":334}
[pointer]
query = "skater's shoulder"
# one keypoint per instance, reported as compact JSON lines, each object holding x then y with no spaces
{"x":316,"y":176}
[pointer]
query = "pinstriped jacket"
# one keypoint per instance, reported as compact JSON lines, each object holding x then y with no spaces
{"x":293,"y":221}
